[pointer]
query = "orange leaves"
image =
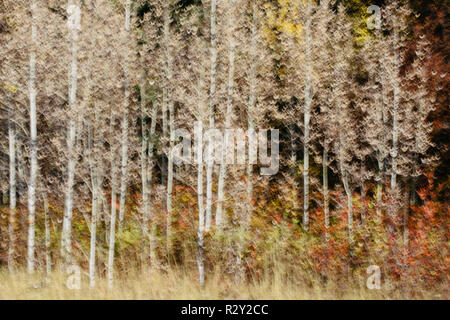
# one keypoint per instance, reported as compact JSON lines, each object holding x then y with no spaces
{"x":278,"y":217}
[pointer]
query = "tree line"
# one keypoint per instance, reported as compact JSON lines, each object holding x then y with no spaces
{"x":93,"y":92}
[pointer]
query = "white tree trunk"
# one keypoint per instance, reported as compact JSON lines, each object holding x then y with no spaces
{"x":381,"y":123}
{"x":33,"y":147}
{"x":363,"y":195}
{"x":293,"y":161}
{"x":124,"y":164}
{"x":66,"y":247}
{"x":93,"y":240}
{"x":379,"y":190}
{"x":326,"y":207}
{"x":144,"y":171}
{"x":48,"y":258}
{"x":228,"y":115}
{"x":396,"y":84}
{"x":347,"y":191}
{"x":307,"y":117}
{"x":170,"y":106}
{"x":170,"y":177}
{"x":251,"y":107}
{"x":201,"y":210}
{"x":123,"y":177}
{"x":212,"y":93}
{"x":12,"y":190}
{"x":151,"y":213}
{"x":112,"y":233}
{"x":95,"y":206}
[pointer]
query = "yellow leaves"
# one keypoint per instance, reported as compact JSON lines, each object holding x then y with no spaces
{"x":283,"y":18}
{"x":11,"y":88}
{"x":290,"y":28}
{"x":362,"y":33}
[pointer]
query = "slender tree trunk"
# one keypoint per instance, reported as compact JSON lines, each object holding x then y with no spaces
{"x":395,"y":129}
{"x":48,"y":257}
{"x":307,"y":116}
{"x":326,"y":202}
{"x":96,"y":196}
{"x":170,"y":106}
{"x":123,"y":177}
{"x":106,"y":212}
{"x":112,"y":232}
{"x":251,"y":106}
{"x":66,"y":247}
{"x":33,"y":147}
{"x":145,"y":170}
{"x":212,"y":93}
{"x":20,"y":173}
{"x":349,"y":206}
{"x":363,"y":197}
{"x":170,"y":178}
{"x":165,"y":135}
{"x":294,"y":168}
{"x":412,"y":202}
{"x":228,"y":115}
{"x":93,"y":240}
{"x":95,"y":205}
{"x":381,"y":121}
{"x":165,"y":100}
{"x":124,"y":164}
{"x":346,"y":185}
{"x":201,"y":210}
{"x":379,"y":190}
{"x":249,"y":186}
{"x":12,"y":190}
{"x":151,"y":213}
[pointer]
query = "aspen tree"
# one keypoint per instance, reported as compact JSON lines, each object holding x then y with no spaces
{"x":377,"y":132}
{"x":251,"y":106}
{"x":48,"y":259}
{"x":343,"y":131}
{"x":145,"y":167}
{"x":169,"y":106}
{"x":300,"y":78}
{"x":33,"y":145}
{"x":212,"y":102}
{"x":323,"y":55}
{"x":228,"y":114}
{"x":123,"y":177}
{"x":153,"y":58}
{"x":192,"y":92}
{"x":74,"y":13}
{"x":307,"y":112}
{"x":12,"y":188}
{"x":395,"y":22}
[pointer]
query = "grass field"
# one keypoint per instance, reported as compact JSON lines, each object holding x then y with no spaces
{"x":178,"y":284}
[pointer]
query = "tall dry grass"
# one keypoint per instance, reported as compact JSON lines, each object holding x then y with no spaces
{"x":182,"y":284}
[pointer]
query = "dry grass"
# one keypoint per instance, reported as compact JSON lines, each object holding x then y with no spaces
{"x":178,"y":284}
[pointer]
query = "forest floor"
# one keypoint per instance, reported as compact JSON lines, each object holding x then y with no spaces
{"x":183,"y":285}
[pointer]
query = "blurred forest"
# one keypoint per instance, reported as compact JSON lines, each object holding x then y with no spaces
{"x":92,"y":93}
